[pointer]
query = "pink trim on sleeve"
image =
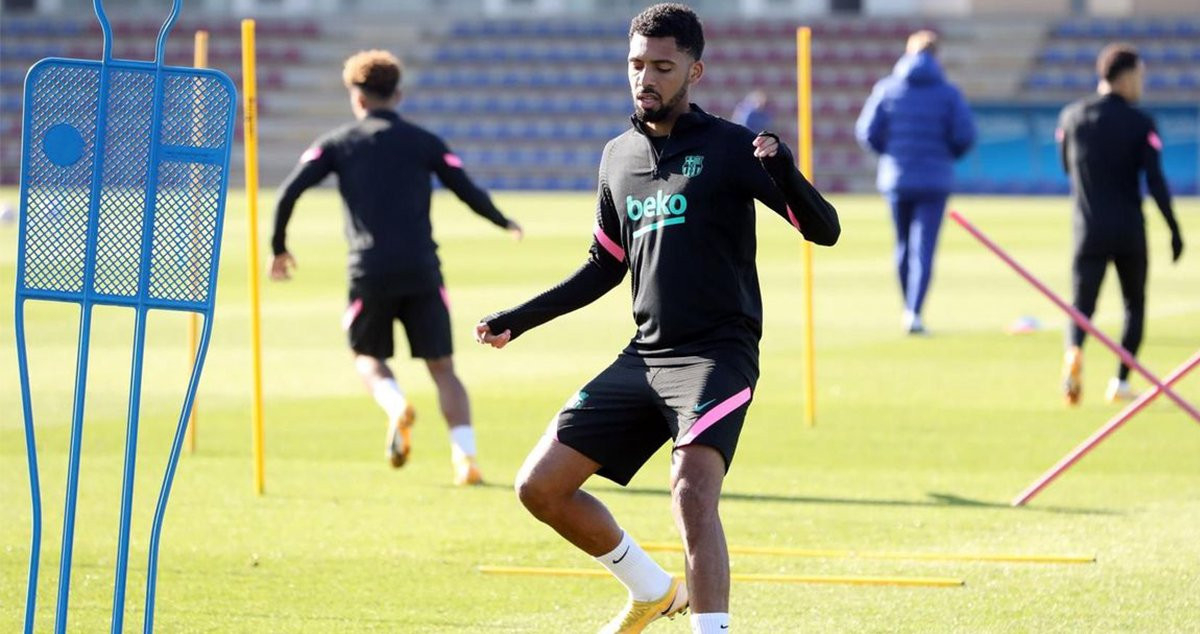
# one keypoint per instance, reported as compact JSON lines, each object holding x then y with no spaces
{"x":352,"y":312}
{"x":792,"y":219}
{"x":311,"y":154}
{"x":445,"y":296}
{"x":452,"y":160}
{"x":1154,"y":141}
{"x":613,"y":248}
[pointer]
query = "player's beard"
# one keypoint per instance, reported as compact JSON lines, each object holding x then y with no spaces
{"x":658,"y":114}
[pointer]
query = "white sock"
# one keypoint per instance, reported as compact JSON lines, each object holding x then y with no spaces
{"x":631,"y":565}
{"x":462,"y":440}
{"x":710,"y":623}
{"x":389,"y":396}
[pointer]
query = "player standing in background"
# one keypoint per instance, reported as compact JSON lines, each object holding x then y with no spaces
{"x":752,"y":111}
{"x":919,"y":124}
{"x":1106,"y":145}
{"x":383,"y":164}
{"x":676,"y":209}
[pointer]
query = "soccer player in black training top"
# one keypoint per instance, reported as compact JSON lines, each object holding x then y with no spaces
{"x":676,"y":209}
{"x":1106,"y":145}
{"x":383,"y":164}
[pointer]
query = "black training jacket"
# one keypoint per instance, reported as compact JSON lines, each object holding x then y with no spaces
{"x":383,"y":164}
{"x":683,"y":224}
{"x":1106,"y":144}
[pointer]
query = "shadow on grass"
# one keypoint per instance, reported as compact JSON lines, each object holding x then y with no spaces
{"x":935,"y":500}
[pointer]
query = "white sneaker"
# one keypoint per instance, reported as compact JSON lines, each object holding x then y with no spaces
{"x":912,"y":323}
{"x":1119,"y":391}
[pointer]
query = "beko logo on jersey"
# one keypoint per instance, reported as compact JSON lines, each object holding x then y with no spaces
{"x":669,"y":210}
{"x":657,"y":205}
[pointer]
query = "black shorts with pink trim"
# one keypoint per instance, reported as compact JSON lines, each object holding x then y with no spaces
{"x":621,"y":417}
{"x":425,"y":315}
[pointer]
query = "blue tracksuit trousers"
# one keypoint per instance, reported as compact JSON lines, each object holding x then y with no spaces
{"x":917,"y":219}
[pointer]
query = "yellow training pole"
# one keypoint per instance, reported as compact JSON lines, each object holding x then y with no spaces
{"x":199,"y":60}
{"x":250,"y":140}
{"x":804,"y":132}
{"x":926,"y":582}
{"x":884,"y":554}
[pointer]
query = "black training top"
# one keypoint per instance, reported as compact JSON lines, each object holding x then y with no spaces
{"x":1106,"y":144}
{"x":682,"y":221}
{"x":383,"y":165}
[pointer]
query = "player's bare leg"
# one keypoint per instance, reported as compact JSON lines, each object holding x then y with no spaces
{"x":381,"y":383}
{"x":697,"y":472}
{"x":456,"y":408}
{"x":549,"y":486}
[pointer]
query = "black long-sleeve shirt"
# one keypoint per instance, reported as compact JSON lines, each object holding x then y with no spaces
{"x":682,"y":222}
{"x":383,"y":164}
{"x":1106,"y":144}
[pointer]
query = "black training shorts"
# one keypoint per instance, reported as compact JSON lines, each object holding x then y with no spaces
{"x":621,"y":417}
{"x":425,"y":315}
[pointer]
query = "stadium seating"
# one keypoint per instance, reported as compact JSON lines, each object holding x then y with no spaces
{"x":531,"y":102}
{"x":550,"y":93}
{"x":26,"y":39}
{"x":1065,"y":65}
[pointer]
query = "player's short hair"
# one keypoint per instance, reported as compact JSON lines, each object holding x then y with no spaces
{"x":669,"y":19}
{"x":923,"y":41}
{"x":375,"y":72}
{"x":1116,"y":59}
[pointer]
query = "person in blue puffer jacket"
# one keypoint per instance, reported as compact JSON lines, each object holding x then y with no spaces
{"x":919,"y":124}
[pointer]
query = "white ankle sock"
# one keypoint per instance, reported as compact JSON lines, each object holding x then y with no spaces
{"x":631,"y":565}
{"x":389,"y":396}
{"x":710,"y":623}
{"x":462,"y":440}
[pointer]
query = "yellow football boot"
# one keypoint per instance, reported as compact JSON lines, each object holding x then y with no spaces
{"x":1073,"y":375}
{"x":638,"y":614}
{"x":399,"y":438}
{"x":466,"y":470}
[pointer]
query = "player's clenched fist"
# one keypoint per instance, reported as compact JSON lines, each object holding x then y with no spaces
{"x":483,"y":334}
{"x":765,"y":145}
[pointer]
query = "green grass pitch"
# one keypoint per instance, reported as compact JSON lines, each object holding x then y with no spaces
{"x":920,"y":444}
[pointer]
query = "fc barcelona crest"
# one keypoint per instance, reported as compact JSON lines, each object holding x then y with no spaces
{"x":693,"y":165}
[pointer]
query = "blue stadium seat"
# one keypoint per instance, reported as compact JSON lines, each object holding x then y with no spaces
{"x":1085,"y":55}
{"x":1103,"y":30}
{"x":1185,"y":29}
{"x":463,"y":29}
{"x":1070,"y":29}
{"x":1124,"y":29}
{"x":1055,"y":54}
{"x":10,"y":103}
{"x":1159,"y":81}
{"x":12,"y":79}
{"x":1172,"y":55}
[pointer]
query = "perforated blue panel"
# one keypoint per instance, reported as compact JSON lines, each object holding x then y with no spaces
{"x":193,"y":111}
{"x":123,"y":193}
{"x":184,"y":232}
{"x":62,"y":98}
{"x":184,"y":174}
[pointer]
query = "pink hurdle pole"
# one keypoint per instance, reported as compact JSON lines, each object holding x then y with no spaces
{"x":1077,"y":316}
{"x":1108,"y":428}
